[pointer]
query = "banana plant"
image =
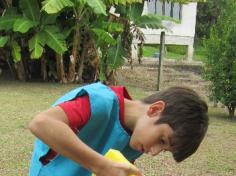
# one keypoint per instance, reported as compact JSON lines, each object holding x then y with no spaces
{"x":33,"y":26}
{"x":108,"y":40}
{"x":134,"y":20}
{"x":131,"y":20}
{"x":82,"y":11}
{"x":40,"y":26}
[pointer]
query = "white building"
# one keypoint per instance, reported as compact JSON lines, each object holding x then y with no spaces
{"x":181,"y":33}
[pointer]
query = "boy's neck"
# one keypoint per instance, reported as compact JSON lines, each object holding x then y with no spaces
{"x":133,"y":110}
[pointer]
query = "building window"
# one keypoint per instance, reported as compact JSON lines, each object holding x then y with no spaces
{"x":171,"y":9}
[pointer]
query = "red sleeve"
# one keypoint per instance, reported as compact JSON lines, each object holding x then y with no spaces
{"x":121,"y":93}
{"x":77,"y":111}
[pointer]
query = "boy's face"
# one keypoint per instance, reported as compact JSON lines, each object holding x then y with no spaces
{"x":149,"y":137}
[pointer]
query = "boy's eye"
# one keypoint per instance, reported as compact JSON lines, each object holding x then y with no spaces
{"x":162,"y":142}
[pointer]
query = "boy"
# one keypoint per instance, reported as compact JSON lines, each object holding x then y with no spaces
{"x":85,"y":123}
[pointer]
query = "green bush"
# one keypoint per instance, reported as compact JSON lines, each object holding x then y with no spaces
{"x":199,"y":53}
{"x":220,"y":65}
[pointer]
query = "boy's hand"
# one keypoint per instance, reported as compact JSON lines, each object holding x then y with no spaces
{"x":119,"y":169}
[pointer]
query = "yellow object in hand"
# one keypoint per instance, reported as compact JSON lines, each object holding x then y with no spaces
{"x":116,"y":156}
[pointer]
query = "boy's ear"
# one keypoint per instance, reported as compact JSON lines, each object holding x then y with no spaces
{"x":156,"y":108}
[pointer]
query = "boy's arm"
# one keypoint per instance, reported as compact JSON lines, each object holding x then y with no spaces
{"x":52,"y":128}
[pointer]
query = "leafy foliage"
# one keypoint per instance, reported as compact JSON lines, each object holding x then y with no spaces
{"x":3,"y":41}
{"x":7,"y":22}
{"x":104,"y":37}
{"x":31,"y":18}
{"x":23,"y":25}
{"x":16,"y":51}
{"x":116,"y":55}
{"x":55,"y":6}
{"x":30,"y":9}
{"x":220,"y":66}
{"x":149,"y":21}
{"x":69,"y":26}
{"x":98,"y":6}
{"x":36,"y":45}
{"x":207,"y":14}
{"x":55,"y":39}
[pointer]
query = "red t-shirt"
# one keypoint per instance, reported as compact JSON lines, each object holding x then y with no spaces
{"x":78,"y":113}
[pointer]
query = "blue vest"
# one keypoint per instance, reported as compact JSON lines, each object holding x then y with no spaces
{"x":102,"y":132}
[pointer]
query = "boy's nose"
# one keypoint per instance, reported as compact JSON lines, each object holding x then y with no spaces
{"x":155,"y":151}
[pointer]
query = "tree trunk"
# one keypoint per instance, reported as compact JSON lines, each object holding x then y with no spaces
{"x":82,"y":58}
{"x":44,"y":68}
{"x":93,"y":62}
{"x":7,"y":56}
{"x":111,"y":78}
{"x":21,"y":75}
{"x":231,"y":109}
{"x":73,"y":57}
{"x":140,"y":53}
{"x":127,"y":39}
{"x":130,"y":58}
{"x":8,"y":3}
{"x":12,"y":68}
{"x":60,"y":69}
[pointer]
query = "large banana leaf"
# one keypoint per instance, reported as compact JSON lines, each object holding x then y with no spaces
{"x":23,"y":25}
{"x":98,"y":6}
{"x":114,"y":27}
{"x":16,"y":51}
{"x":149,"y":21}
{"x":55,"y":6}
{"x":6,"y":22}
{"x":30,"y":9}
{"x":55,"y":39}
{"x":36,"y":45}
{"x":11,"y":11}
{"x":135,"y":11}
{"x":3,"y":41}
{"x":111,"y":27}
{"x":116,"y":55}
{"x":103,"y":37}
{"x":47,"y":19}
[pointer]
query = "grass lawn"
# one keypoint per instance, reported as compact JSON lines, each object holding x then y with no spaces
{"x":175,"y":52}
{"x":19,"y":102}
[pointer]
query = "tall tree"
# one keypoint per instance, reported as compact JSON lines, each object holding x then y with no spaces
{"x":207,"y":14}
{"x":220,"y":66}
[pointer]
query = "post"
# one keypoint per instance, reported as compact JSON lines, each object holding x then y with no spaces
{"x":160,"y":66}
{"x":190,"y":53}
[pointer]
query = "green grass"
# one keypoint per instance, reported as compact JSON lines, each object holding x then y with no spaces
{"x":175,"y":52}
{"x":149,"y":51}
{"x":19,"y":102}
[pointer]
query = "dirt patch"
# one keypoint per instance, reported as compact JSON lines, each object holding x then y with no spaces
{"x":174,"y":74}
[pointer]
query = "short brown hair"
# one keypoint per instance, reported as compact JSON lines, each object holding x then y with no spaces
{"x":187,"y":115}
